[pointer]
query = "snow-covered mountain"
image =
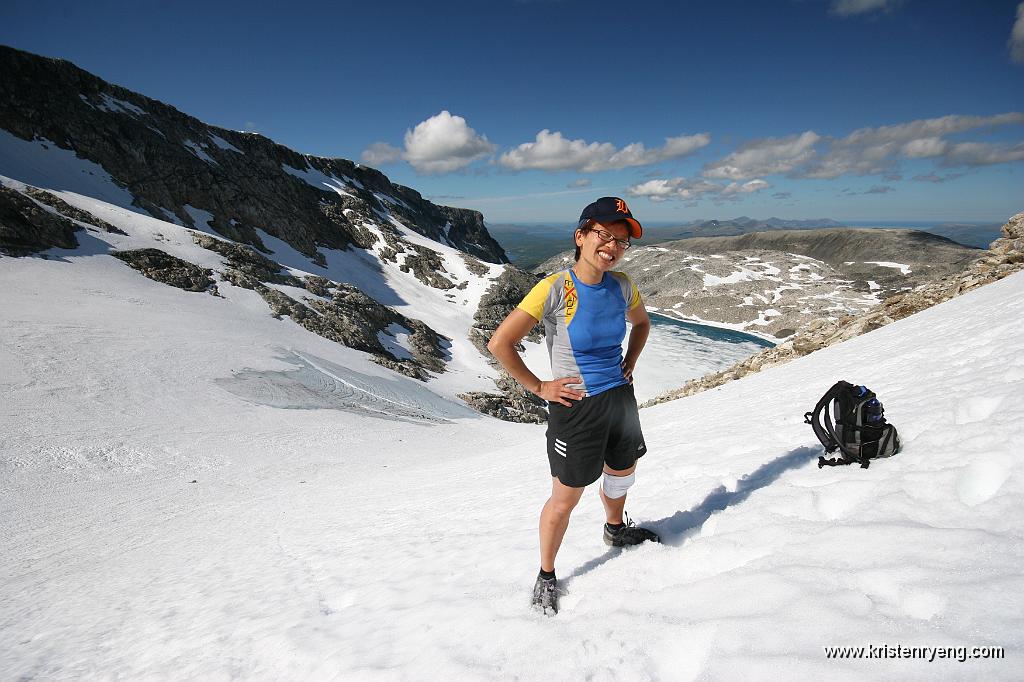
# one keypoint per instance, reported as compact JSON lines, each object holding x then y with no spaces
{"x":110,"y":143}
{"x":326,"y":243}
{"x":164,"y":517}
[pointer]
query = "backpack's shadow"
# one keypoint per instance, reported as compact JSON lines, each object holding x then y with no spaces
{"x":676,"y":529}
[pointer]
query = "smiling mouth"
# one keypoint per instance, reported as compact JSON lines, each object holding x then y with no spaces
{"x":606,"y":256}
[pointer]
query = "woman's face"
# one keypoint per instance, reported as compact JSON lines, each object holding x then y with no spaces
{"x":598,"y":253}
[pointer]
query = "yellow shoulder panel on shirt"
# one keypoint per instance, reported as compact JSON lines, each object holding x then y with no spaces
{"x":533,"y":303}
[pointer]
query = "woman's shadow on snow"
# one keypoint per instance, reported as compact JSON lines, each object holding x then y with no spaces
{"x":678,"y":528}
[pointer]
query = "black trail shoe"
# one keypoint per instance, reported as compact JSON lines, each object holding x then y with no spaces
{"x":545,"y":595}
{"x":628,"y":534}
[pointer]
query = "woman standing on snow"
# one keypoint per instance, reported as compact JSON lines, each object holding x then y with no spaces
{"x":593,"y":423}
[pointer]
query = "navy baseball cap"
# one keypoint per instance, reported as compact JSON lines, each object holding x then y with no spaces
{"x":609,"y":210}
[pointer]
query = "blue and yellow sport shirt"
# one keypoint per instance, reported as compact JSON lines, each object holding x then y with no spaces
{"x":584,"y":325}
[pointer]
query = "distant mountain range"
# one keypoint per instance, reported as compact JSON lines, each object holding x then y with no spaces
{"x":529,"y":245}
{"x":747,"y":224}
{"x":970,"y":234}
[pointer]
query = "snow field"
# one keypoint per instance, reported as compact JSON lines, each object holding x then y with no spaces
{"x":326,"y":544}
{"x":317,"y":543}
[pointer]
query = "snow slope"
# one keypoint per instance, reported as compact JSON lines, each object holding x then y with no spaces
{"x":156,"y":525}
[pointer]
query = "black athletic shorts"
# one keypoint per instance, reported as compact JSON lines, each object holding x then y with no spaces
{"x":594,"y":431}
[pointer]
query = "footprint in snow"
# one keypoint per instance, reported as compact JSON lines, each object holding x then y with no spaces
{"x":977,"y":408}
{"x":981,"y":480}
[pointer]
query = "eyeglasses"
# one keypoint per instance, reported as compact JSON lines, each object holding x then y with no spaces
{"x":606,"y":237}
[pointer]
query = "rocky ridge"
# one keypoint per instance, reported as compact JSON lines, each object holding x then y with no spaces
{"x":333,"y":310}
{"x":1004,"y":257}
{"x":162,"y":267}
{"x":27,"y":227}
{"x":771,"y":283}
{"x":512,"y":402}
{"x":743,"y":224}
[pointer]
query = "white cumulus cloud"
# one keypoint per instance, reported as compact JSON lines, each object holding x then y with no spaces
{"x":924,"y":147}
{"x":1016,"y":44}
{"x":873,"y":151}
{"x":551,"y":151}
{"x":745,"y":188}
{"x":982,"y":154}
{"x":769,"y":156}
{"x":380,"y":154}
{"x":444,"y":143}
{"x":685,"y":189}
{"x":869,"y":151}
{"x":440,"y":144}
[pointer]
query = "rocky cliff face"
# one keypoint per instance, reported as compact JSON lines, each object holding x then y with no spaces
{"x":772,"y":283}
{"x":1004,"y":257}
{"x":180,"y":169}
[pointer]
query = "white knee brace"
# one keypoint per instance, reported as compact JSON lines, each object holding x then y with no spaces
{"x":616,"y":486}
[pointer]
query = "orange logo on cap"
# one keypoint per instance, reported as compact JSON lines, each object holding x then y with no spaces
{"x":620,"y":206}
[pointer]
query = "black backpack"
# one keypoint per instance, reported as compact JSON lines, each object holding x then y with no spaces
{"x":859,"y":432}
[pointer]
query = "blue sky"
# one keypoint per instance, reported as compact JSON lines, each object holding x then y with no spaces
{"x":527,"y":110}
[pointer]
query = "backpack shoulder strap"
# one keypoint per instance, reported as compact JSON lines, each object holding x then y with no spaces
{"x":826,"y":433}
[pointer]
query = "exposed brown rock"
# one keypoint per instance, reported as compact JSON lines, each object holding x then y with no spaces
{"x":162,"y":267}
{"x":512,"y":402}
{"x":27,"y":228}
{"x":69,"y":211}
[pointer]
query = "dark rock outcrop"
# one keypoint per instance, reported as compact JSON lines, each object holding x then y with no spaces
{"x":162,"y":267}
{"x":498,"y":301}
{"x":512,"y":402}
{"x":353,"y":319}
{"x":26,"y":227}
{"x":427,"y":265}
{"x":247,"y":262}
{"x":69,"y":211}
